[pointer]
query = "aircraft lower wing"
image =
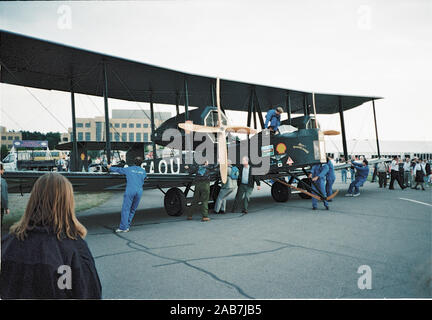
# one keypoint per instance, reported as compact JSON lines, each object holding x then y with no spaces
{"x":22,"y":181}
{"x":340,"y":166}
{"x":300,"y":171}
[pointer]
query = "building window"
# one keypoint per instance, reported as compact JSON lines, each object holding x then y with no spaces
{"x":87,"y":136}
{"x":87,"y":125}
{"x":17,"y":138}
{"x":131,"y":136}
{"x":80,"y":136}
{"x":138,"y":137}
{"x":123,"y":125}
{"x":79,"y":125}
{"x":131,"y":125}
{"x":110,"y":136}
{"x":145,"y":137}
{"x":10,"y":138}
{"x":145,"y":125}
{"x":138,"y":125}
{"x":117,"y":125}
{"x":124,"y":138}
{"x":99,"y":131}
{"x":3,"y":137}
{"x":117,"y":136}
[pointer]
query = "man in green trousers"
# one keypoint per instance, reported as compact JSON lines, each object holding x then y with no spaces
{"x":202,"y":190}
{"x":245,"y":184}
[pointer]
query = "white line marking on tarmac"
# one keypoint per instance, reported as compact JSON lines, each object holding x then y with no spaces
{"x":424,"y":203}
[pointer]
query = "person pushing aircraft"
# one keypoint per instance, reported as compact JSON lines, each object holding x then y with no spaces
{"x":202,"y":189}
{"x":135,"y":176}
{"x":318,"y":175}
{"x":361,"y":176}
{"x":330,"y":177}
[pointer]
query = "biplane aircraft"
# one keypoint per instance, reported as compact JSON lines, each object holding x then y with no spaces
{"x":298,"y":144}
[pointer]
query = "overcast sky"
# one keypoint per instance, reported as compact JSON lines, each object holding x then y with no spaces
{"x":378,"y":48}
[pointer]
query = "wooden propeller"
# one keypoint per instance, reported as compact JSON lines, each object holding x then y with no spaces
{"x":220,"y":130}
{"x":331,"y":132}
{"x":307,"y":192}
{"x":326,"y":132}
{"x":189,"y":126}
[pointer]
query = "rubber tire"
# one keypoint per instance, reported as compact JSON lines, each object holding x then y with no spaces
{"x":280,"y":192}
{"x":308,"y":183}
{"x":175,"y":202}
{"x":214,"y":192}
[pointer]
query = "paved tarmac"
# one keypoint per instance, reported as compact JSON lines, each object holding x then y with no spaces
{"x":277,"y":250}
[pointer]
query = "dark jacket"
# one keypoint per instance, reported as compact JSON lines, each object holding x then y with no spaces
{"x":272,"y":119}
{"x":30,"y":268}
{"x":362,"y":171}
{"x":202,"y":172}
{"x":252,"y":179}
{"x":4,"y":195}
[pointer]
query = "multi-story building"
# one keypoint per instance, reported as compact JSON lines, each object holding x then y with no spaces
{"x":125,"y":126}
{"x":7,"y":137}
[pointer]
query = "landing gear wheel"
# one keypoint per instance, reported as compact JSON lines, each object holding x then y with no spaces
{"x":175,"y":202}
{"x":280,"y":192}
{"x":305,"y":184}
{"x":214,"y":192}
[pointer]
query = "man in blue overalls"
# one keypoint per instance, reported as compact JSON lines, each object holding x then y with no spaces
{"x":330,"y":178}
{"x":272,"y":120}
{"x":135,"y":176}
{"x":361,"y":176}
{"x":318,"y":175}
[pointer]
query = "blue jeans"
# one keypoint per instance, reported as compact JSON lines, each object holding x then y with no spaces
{"x":356,"y":184}
{"x":344,"y":175}
{"x":221,"y":199}
{"x":352,"y":175}
{"x":329,"y":186}
{"x":131,"y":200}
{"x":321,"y":185}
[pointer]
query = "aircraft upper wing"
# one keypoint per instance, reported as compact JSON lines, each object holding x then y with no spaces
{"x":31,"y":62}
{"x":23,"y":181}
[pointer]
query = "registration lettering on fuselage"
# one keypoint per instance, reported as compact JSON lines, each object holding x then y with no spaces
{"x":164,"y":166}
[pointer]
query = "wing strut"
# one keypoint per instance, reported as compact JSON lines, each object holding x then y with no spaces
{"x":107,"y":122}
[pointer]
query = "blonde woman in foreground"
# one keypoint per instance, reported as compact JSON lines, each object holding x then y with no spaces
{"x":45,"y":256}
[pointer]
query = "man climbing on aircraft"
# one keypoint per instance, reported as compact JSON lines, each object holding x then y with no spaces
{"x":361,"y":176}
{"x":272,"y":121}
{"x":135,"y":176}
